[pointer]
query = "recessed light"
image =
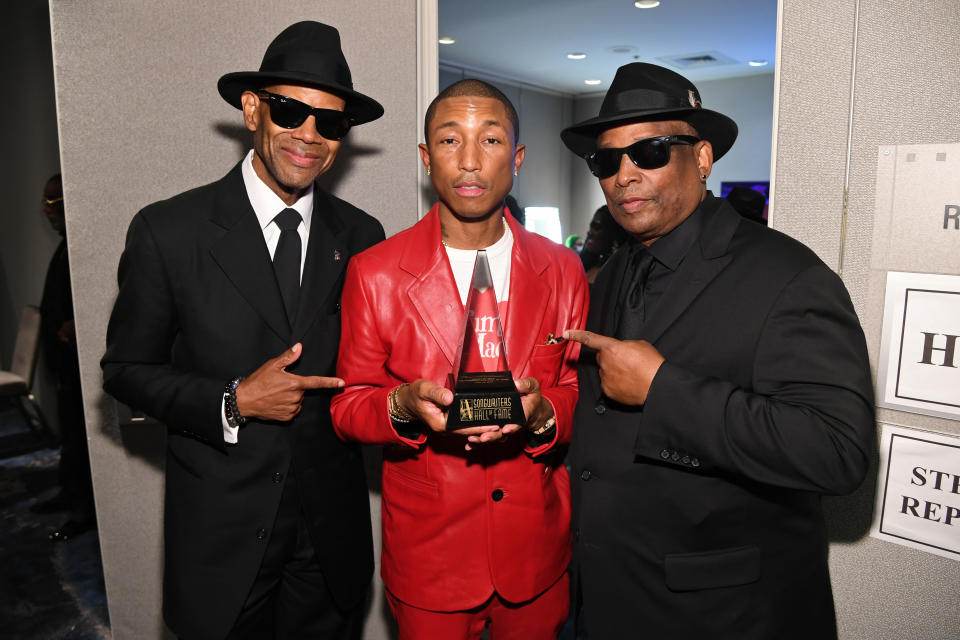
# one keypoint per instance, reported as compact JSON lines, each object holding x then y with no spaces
{"x":446,"y":40}
{"x":592,"y":81}
{"x":646,"y":4}
{"x":758,"y":63}
{"x":576,"y":55}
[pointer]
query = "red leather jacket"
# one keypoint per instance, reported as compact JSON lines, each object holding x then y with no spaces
{"x":458,"y":524}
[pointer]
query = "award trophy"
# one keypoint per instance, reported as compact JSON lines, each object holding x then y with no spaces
{"x":483,"y":389}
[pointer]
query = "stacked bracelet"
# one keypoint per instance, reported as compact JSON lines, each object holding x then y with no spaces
{"x":397,"y":412}
{"x":546,"y":426}
{"x":230,"y":410}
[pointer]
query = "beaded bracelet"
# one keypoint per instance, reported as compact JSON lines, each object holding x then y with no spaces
{"x":230,"y":410}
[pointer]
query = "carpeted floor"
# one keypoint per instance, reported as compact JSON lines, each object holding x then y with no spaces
{"x":47,"y":590}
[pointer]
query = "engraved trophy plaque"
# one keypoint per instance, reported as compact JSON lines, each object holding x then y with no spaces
{"x":483,"y":388}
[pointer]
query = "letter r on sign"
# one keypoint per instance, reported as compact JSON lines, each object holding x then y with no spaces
{"x":951,"y":212}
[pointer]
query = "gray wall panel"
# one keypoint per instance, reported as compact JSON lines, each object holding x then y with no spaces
{"x":140,"y":120}
{"x":815,"y":70}
{"x":905,"y":89}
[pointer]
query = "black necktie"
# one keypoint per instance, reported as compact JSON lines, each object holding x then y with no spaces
{"x":632,"y":307}
{"x":286,"y":260}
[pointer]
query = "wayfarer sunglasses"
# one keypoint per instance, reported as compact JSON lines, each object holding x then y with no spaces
{"x":650,"y":153}
{"x":290,"y":114}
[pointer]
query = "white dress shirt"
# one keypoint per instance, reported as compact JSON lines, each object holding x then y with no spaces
{"x":266,"y":205}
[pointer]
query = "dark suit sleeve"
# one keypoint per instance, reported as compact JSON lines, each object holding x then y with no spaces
{"x":808,"y":421}
{"x":137,"y":368}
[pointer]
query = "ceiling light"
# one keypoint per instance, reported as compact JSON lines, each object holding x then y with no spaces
{"x":592,"y":81}
{"x":758,"y":63}
{"x":446,"y":40}
{"x":576,"y":55}
{"x":646,"y":4}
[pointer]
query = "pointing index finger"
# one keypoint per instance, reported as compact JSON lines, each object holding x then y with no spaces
{"x":319,"y":382}
{"x":590,"y":339}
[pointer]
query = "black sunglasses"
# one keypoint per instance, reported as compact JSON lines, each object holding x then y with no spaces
{"x":290,"y":114}
{"x":650,"y":153}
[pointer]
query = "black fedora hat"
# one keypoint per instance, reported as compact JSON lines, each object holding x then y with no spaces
{"x":642,"y":92}
{"x":305,"y":53}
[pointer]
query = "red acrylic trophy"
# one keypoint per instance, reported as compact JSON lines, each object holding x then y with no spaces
{"x":483,"y":389}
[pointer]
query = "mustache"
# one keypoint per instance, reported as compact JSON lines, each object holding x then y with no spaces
{"x":469,"y":179}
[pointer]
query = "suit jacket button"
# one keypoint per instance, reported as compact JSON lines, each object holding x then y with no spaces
{"x":665,"y":454}
{"x":600,"y":408}
{"x":685,"y":459}
{"x":694,"y":462}
{"x":576,"y":535}
{"x":261,"y":533}
{"x":497,"y":495}
{"x":277,"y":477}
{"x":585,"y":474}
{"x":337,"y":307}
{"x":674,"y":456}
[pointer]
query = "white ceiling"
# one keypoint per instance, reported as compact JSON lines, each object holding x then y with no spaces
{"x":528,"y":40}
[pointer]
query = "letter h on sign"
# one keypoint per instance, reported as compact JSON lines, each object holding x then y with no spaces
{"x":948,"y":350}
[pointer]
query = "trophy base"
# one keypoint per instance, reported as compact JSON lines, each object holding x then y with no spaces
{"x":489,"y":398}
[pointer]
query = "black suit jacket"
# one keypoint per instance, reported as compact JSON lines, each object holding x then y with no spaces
{"x":698,"y":515}
{"x":199,"y":304}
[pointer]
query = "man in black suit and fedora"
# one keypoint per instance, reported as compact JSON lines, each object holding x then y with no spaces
{"x":724,"y":388}
{"x":226,"y":329}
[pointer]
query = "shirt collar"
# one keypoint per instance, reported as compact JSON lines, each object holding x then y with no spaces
{"x":266,"y":204}
{"x":671,"y":249}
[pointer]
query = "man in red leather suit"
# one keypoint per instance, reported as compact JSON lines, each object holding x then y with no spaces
{"x":475,"y":521}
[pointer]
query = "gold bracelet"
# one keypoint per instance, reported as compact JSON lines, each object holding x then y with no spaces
{"x":397,"y":412}
{"x":549,"y":424}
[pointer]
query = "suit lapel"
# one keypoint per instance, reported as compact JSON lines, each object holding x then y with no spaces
{"x":242,"y":253}
{"x":526,"y":294}
{"x":704,"y":261}
{"x":434,"y":292}
{"x":324,"y":264}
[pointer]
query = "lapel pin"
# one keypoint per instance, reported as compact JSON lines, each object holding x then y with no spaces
{"x":336,"y":255}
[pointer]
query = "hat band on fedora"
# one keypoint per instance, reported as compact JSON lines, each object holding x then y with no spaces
{"x":323,"y":68}
{"x":643,"y":99}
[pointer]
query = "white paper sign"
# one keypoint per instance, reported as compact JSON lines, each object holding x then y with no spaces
{"x":919,"y":368}
{"x":918,"y":491}
{"x":916,"y":223}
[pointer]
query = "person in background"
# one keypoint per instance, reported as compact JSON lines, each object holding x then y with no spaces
{"x":58,"y":336}
{"x":574,"y":242}
{"x":603,"y":238}
{"x":225,"y":329}
{"x":476,"y":521}
{"x":515,"y":209}
{"x":724,"y":387}
{"x":748,"y":203}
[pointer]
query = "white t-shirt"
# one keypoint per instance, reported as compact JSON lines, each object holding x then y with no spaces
{"x":498,"y":257}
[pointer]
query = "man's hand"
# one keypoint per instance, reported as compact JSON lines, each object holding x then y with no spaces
{"x":627,"y":367}
{"x":271,"y":393}
{"x":428,"y":402}
{"x":535,"y":407}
